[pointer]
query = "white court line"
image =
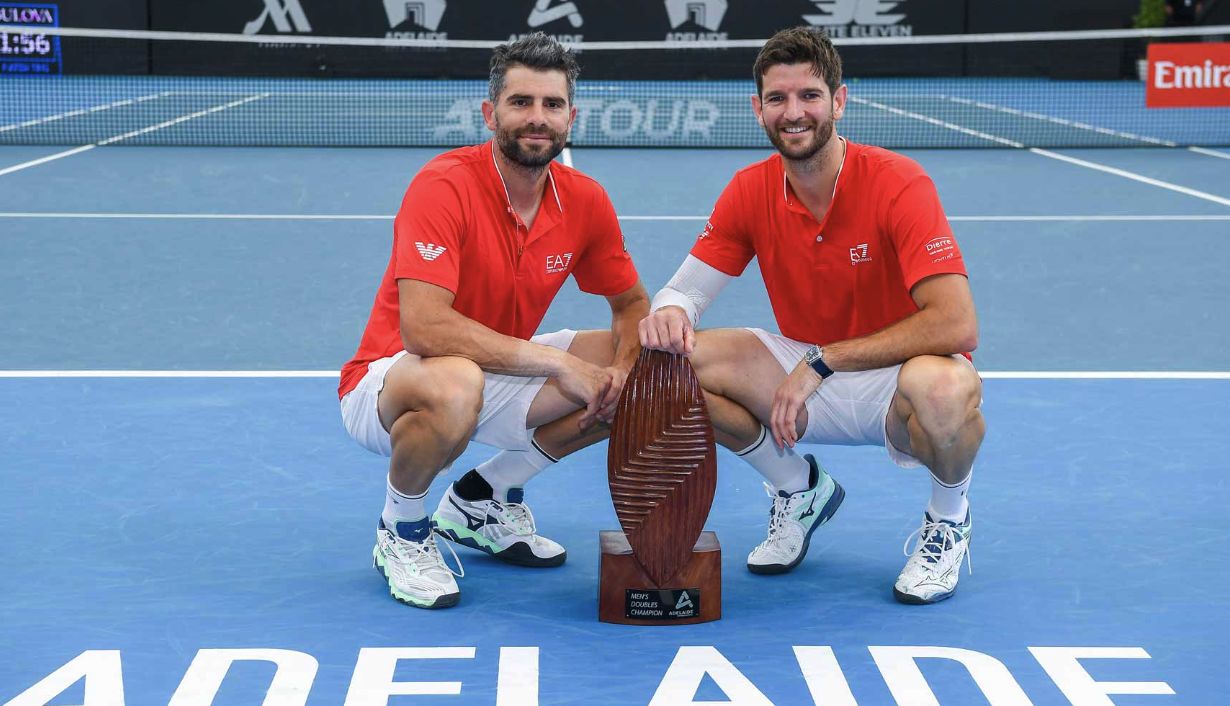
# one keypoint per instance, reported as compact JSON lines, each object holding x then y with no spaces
{"x":999,"y":219}
{"x":567,"y":155}
{"x":1211,"y":153}
{"x":1107,"y":375}
{"x":937,"y":122}
{"x":1046,"y":153}
{"x":48,"y":158}
{"x":127,"y":135}
{"x":993,"y":375}
{"x":362,"y":217}
{"x":1132,"y":175}
{"x":1060,"y":121}
{"x":83,"y":111}
{"x":204,"y":216}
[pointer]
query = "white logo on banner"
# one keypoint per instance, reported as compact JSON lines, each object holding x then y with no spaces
{"x":430,"y":251}
{"x":607,"y":121}
{"x":287,"y":16}
{"x":543,"y":13}
{"x":703,"y":13}
{"x":706,"y":13}
{"x":859,"y":18}
{"x":423,"y":13}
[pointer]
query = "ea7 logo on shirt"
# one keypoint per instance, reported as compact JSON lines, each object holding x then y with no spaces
{"x":430,"y":251}
{"x":940,"y":248}
{"x":558,"y":263}
{"x":858,"y":254}
{"x":708,"y":231}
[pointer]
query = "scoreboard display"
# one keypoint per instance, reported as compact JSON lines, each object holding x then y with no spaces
{"x":24,"y":49}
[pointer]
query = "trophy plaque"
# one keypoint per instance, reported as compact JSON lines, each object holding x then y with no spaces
{"x":662,"y":471}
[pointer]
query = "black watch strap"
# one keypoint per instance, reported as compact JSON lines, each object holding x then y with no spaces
{"x":815,"y":359}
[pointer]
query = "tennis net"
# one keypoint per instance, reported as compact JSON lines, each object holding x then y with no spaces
{"x":77,"y":86}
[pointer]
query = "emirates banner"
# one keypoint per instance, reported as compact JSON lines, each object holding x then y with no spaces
{"x":1188,"y":75}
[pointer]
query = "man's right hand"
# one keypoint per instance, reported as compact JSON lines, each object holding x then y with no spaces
{"x":588,"y":384}
{"x":668,"y":329}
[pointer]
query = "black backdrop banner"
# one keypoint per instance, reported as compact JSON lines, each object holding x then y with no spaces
{"x":567,"y":20}
{"x":697,"y":21}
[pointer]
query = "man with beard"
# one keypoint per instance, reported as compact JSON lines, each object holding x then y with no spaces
{"x":870,"y":295}
{"x":485,"y":237}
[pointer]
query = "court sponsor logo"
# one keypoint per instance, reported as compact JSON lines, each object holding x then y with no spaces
{"x":545,"y":12}
{"x":859,"y":253}
{"x":518,"y":674}
{"x":558,"y":263}
{"x":603,"y":121}
{"x":429,"y":251}
{"x":423,"y":14}
{"x":706,"y":14}
{"x":941,"y":248}
{"x":1188,"y":75}
{"x":859,"y":18}
{"x":286,"y":15}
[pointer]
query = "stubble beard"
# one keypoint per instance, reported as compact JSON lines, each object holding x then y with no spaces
{"x":805,"y":152}
{"x":526,"y":158}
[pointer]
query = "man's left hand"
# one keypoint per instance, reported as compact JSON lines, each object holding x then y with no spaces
{"x":619,"y":375}
{"x":788,"y":401}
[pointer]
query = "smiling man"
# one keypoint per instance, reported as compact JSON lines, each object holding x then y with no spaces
{"x":874,"y":310}
{"x":485,"y":237}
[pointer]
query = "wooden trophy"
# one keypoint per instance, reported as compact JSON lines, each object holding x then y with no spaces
{"x":662,"y":470}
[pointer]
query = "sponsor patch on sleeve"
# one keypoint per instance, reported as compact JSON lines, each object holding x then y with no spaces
{"x":941,"y":248}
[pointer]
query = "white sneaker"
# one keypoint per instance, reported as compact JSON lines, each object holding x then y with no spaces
{"x":505,"y":530}
{"x":931,"y":573}
{"x":414,"y":567}
{"x":792,"y":520}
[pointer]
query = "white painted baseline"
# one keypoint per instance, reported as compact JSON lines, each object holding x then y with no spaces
{"x":265,"y":374}
{"x":370,"y":217}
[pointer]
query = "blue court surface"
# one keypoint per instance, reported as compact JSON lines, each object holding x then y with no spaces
{"x":176,"y":538}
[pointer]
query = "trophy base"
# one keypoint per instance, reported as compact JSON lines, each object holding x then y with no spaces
{"x":628,"y":597}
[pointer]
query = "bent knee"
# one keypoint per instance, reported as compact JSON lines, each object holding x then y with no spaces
{"x":454,"y":388}
{"x":940,"y":388}
{"x":449,"y":387}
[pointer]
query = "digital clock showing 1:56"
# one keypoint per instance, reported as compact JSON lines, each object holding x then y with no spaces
{"x":24,"y":49}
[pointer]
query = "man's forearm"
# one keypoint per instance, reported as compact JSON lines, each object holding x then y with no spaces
{"x":490,"y":350}
{"x":624,"y":331}
{"x":925,"y":332}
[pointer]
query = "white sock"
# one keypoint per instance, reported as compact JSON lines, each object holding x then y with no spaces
{"x":512,"y":469}
{"x":948,"y":502}
{"x":783,"y":468}
{"x":400,"y":507}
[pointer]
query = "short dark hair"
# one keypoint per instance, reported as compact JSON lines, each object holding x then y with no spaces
{"x":535,"y":51}
{"x":800,"y":45}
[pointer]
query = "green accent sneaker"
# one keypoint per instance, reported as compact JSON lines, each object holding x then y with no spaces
{"x":505,"y":530}
{"x":792,"y":520}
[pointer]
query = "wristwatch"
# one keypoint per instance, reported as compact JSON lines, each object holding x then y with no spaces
{"x":814,"y":357}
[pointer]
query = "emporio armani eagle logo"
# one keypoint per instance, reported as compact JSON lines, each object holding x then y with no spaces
{"x":430,"y":251}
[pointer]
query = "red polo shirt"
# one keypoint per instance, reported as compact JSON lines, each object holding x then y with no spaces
{"x":456,"y":229}
{"x":850,"y":274}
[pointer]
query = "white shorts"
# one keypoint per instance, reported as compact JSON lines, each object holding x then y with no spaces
{"x":849,"y":409}
{"x":501,"y":422}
